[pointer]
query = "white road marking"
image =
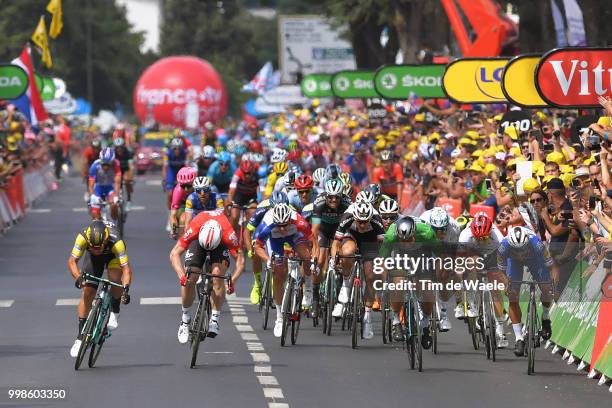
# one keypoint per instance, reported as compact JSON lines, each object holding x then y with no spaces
{"x":137,"y":208}
{"x":80,"y":209}
{"x":267,"y":380}
{"x":273,"y":393}
{"x":39,"y":210}
{"x":240,"y":319}
{"x":6,"y":303}
{"x":218,"y":352}
{"x":263,"y":369}
{"x":278,"y":405}
{"x":244,"y":328}
{"x":67,"y":302}
{"x":255,"y":346}
{"x":153,"y":183}
{"x":249,"y":336}
{"x":260,"y":357}
{"x":160,"y":301}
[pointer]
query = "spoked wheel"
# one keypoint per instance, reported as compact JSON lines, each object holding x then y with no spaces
{"x":265,"y":301}
{"x":323,"y":303}
{"x":386,"y":327}
{"x":488,"y":329}
{"x":199,"y":328}
{"x":286,"y":308}
{"x":101,"y":337}
{"x":433,"y":328}
{"x":296,"y":315}
{"x":330,"y":292}
{"x":410,"y":335}
{"x":531,"y":333}
{"x":418,"y":348}
{"x":471,"y":321}
{"x":87,"y":333}
{"x":356,"y":318}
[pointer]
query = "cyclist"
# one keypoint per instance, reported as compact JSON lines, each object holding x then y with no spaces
{"x":221,"y":173}
{"x":126,"y":163}
{"x":175,"y":159}
{"x":482,"y":239}
{"x":105,"y":249}
{"x":389,"y":211}
{"x":243,"y":191}
{"x":359,"y":162}
{"x":447,"y":234}
{"x":203,"y":198}
{"x":281,"y":225}
{"x":278,"y":171}
{"x":359,"y":230}
{"x":420,"y":236}
{"x":205,"y":160}
{"x":302,"y":195}
{"x":210,"y":232}
{"x":104,"y":183}
{"x":519,"y":249}
{"x":317,"y":177}
{"x":90,"y":155}
{"x":181,"y":191}
{"x":261,"y":210}
{"x":389,"y":175}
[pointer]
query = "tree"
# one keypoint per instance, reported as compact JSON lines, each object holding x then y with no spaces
{"x":117,"y":61}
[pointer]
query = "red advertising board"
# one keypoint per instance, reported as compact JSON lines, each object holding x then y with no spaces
{"x":482,"y":209}
{"x":453,"y":207}
{"x":575,"y":77}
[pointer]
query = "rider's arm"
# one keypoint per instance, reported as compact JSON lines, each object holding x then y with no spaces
{"x":175,"y":259}
{"x":78,"y":249}
{"x":93,"y":170}
{"x":232,"y":189}
{"x":121,"y":253}
{"x":117,"y":169}
{"x":316,"y":227}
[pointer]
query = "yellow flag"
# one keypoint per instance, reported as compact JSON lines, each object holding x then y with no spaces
{"x":55,"y":8}
{"x":40,"y":39}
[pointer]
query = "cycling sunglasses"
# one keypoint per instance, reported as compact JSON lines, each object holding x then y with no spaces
{"x":222,"y":163}
{"x":389,"y":217}
{"x":361,"y":222}
{"x":185,"y":186}
{"x":333,"y":197}
{"x":304,"y":191}
{"x":204,"y":190}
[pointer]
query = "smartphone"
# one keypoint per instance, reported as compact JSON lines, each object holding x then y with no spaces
{"x":503,"y":178}
{"x":488,"y":184}
{"x":547,"y":147}
{"x":576,"y":183}
{"x":593,"y":202}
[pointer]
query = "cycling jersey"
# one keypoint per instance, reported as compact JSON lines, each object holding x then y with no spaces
{"x":246,"y":190}
{"x":269,"y":235}
{"x":221,"y":179}
{"x":423,"y":234}
{"x":328,"y":217}
{"x":90,"y":155}
{"x":270,"y":184}
{"x":124,"y":156}
{"x":388,"y":180}
{"x":114,"y":245}
{"x":452,"y":230}
{"x":296,"y":202}
{"x":229,"y":239}
{"x":174,"y":163}
{"x":104,"y":180}
{"x":194,"y":205}
{"x":359,"y":167}
{"x":533,"y":255}
{"x":179,"y":195}
{"x":487,"y":248}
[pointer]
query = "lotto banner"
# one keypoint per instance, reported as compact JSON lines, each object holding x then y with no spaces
{"x":475,"y":80}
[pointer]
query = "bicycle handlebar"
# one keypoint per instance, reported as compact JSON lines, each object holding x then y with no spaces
{"x":86,"y":276}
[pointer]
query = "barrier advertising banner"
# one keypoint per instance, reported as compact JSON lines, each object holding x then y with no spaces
{"x":475,"y":80}
{"x":518,"y":82}
{"x":317,"y":86}
{"x":402,"y":81}
{"x":354,"y":84}
{"x":574,"y":77}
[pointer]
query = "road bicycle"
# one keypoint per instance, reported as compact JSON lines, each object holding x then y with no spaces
{"x":292,"y":299}
{"x":95,"y":332}
{"x":533,"y":327}
{"x":266,"y":301}
{"x":354,"y":313}
{"x":411,"y":329}
{"x":328,"y":298}
{"x":486,"y":317}
{"x":198,"y":329}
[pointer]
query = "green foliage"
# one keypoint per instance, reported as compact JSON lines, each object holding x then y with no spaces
{"x":117,"y":60}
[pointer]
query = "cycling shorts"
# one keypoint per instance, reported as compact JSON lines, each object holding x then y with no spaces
{"x":195,"y":256}
{"x":95,"y":265}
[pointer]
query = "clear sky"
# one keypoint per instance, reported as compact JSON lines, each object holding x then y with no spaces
{"x":145,"y":15}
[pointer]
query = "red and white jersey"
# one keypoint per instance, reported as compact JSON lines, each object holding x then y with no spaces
{"x":228,"y":236}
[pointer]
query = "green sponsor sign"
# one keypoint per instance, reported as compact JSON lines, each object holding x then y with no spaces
{"x":354,"y":84}
{"x":48,"y":89}
{"x":317,"y":86}
{"x":13,"y":81}
{"x":399,"y":81}
{"x":39,"y":82}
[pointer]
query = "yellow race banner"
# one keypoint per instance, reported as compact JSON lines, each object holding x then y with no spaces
{"x":518,"y":82}
{"x":475,"y":80}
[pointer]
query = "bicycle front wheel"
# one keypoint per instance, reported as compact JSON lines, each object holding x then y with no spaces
{"x":410,"y":334}
{"x":418,"y":347}
{"x":489,"y":317}
{"x":296,"y":315}
{"x":199,"y":328}
{"x":531,"y":333}
{"x":356,"y":316}
{"x":433,"y":327}
{"x":286,"y":308}
{"x":87,"y":332}
{"x":265,"y":302}
{"x":102,"y":321}
{"x":330,"y":295}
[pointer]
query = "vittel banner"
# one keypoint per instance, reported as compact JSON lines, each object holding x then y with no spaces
{"x":575,"y":77}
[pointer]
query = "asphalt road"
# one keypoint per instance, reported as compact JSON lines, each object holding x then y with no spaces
{"x":143,"y":365}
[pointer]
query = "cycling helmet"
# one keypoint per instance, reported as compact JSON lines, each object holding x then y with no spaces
{"x":186,"y":175}
{"x":258,"y":158}
{"x":279,"y":197}
{"x":281,"y":213}
{"x":303,"y":182}
{"x":333,"y":187}
{"x":247,"y":166}
{"x":348,"y":190}
{"x":386,"y":155}
{"x":262,"y":171}
{"x":405,"y":228}
{"x":281,"y":167}
{"x":294,"y":168}
{"x":346,"y":178}
{"x":202,"y":183}
{"x":95,"y":142}
{"x":374,"y":189}
{"x":365,"y":196}
{"x":107,"y":155}
{"x":255,"y":146}
{"x":518,"y":237}
{"x":210,"y":235}
{"x":318,"y":175}
{"x":363,"y":211}
{"x":208,"y":152}
{"x":240,"y":149}
{"x":481,"y":226}
{"x":389,"y":206}
{"x":278,"y":155}
{"x":118,"y":142}
{"x":290,"y":180}
{"x":225,"y":157}
{"x":438,"y":218}
{"x":332,"y":171}
{"x":177,"y":142}
{"x":97,"y":234}
{"x":231,"y":146}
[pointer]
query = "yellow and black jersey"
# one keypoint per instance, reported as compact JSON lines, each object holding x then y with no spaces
{"x":114,"y":245}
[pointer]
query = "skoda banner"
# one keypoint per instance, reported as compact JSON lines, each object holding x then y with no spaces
{"x":48,"y":89}
{"x":575,"y":77}
{"x":317,"y":86}
{"x":402,"y":81}
{"x":354,"y":84}
{"x":13,"y":81}
{"x":475,"y":80}
{"x":518,"y":82}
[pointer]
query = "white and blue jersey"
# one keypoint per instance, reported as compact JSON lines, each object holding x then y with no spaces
{"x":104,"y":180}
{"x":194,"y":205}
{"x":273,"y":238}
{"x":534,"y":255}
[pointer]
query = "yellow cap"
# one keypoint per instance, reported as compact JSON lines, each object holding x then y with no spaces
{"x":500,"y":149}
{"x":489,"y":168}
{"x":519,"y":159}
{"x":475,"y":167}
{"x":516,"y":151}
{"x":356,"y":136}
{"x":466,"y":140}
{"x":530,"y":184}
{"x":490,"y":152}
{"x":472,"y":134}
{"x":381,"y":144}
{"x":512,"y":132}
{"x":541,"y":115}
{"x":477,"y":153}
{"x":566,"y":168}
{"x":351,"y":124}
{"x":434,"y":136}
{"x":498,"y":117}
{"x":316,"y":102}
{"x":545,"y":180}
{"x":413,"y":145}
{"x":567,"y":179}
{"x":589,"y":161}
{"x":604,"y":121}
{"x":555,"y":157}
{"x":459,"y":165}
{"x":481,"y":162}
{"x":419,"y":117}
